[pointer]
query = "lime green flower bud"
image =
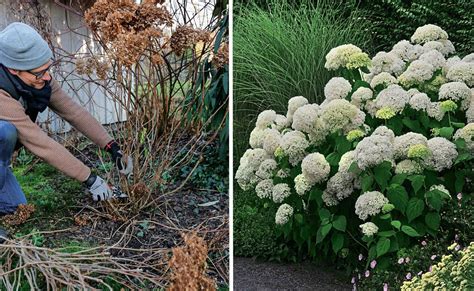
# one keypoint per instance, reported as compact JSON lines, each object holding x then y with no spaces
{"x":355,"y":134}
{"x":448,"y":106}
{"x":358,"y":60}
{"x":279,"y":153}
{"x":418,"y":151}
{"x":385,"y":113}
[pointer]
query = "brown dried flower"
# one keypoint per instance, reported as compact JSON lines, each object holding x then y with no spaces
{"x":221,"y":58}
{"x":188,"y":266}
{"x":185,"y":37}
{"x":127,"y":27}
{"x":82,"y":219}
{"x":22,"y":213}
{"x":86,"y":66}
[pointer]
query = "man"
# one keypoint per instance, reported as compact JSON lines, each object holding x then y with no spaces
{"x":26,"y":89}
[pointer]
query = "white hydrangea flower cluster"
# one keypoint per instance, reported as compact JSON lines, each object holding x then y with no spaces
{"x":434,"y":111}
{"x":293,"y":104}
{"x":470,"y":109}
{"x":315,"y":168}
{"x":340,"y":57}
{"x":409,"y":167}
{"x":361,"y":95}
{"x":462,"y":72}
{"x":383,"y":79}
{"x":346,"y":161}
{"x":403,"y":142}
{"x":406,"y":51}
{"x":249,"y":164}
{"x":466,"y":133}
{"x":339,"y":187}
{"x":265,"y":119}
{"x":340,"y":114}
{"x":305,"y":117}
{"x":369,"y":204}
{"x":456,"y":91}
{"x":302,"y":185}
{"x":417,"y":72}
{"x":266,"y":169}
{"x":373,"y":150}
{"x":294,"y":144}
{"x":428,"y":33}
{"x":434,"y":58}
{"x":444,"y":46}
{"x":369,"y":228}
{"x":280,"y":192}
{"x":443,"y":154}
{"x":264,"y":189}
{"x":271,"y":139}
{"x":283,"y":214}
{"x":281,"y":122}
{"x":394,"y":97}
{"x":337,"y":88}
{"x":387,"y":62}
{"x":420,"y":101}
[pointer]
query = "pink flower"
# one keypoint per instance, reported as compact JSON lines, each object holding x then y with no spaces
{"x":373,"y":264}
{"x":433,"y":257}
{"x":430,"y":269}
{"x":401,"y":261}
{"x":459,"y":196}
{"x":361,"y":257}
{"x":367,"y":273}
{"x":457,"y":248}
{"x":385,"y":287}
{"x":407,"y":260}
{"x":419,"y":273}
{"x":408,"y":276}
{"x":423,"y":243}
{"x":353,"y":280}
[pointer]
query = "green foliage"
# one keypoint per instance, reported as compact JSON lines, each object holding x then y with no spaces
{"x":254,"y":226}
{"x":398,"y":19}
{"x":209,"y":95}
{"x":46,"y":188}
{"x":210,"y":174}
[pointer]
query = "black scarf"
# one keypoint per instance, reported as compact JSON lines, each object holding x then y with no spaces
{"x":35,"y":100}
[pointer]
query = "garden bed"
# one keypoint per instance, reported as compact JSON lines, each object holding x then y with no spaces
{"x":66,"y":217}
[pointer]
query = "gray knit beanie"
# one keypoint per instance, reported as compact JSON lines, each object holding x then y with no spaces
{"x":22,"y":48}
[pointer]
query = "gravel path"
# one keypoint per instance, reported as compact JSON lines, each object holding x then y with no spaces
{"x":250,"y":274}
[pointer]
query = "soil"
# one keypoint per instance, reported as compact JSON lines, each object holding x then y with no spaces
{"x":251,"y":274}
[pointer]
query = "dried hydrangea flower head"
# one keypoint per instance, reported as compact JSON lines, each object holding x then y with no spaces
{"x":129,"y":28}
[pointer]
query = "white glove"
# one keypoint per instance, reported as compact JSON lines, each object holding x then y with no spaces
{"x":127,"y":165}
{"x":99,"y":189}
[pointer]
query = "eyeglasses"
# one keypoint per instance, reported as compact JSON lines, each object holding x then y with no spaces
{"x":41,"y":73}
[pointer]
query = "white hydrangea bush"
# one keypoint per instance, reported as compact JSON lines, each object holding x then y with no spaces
{"x":378,"y":159}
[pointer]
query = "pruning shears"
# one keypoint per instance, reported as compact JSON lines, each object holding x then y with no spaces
{"x":127,"y":169}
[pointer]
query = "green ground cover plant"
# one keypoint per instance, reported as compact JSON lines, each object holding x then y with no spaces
{"x":365,"y":175}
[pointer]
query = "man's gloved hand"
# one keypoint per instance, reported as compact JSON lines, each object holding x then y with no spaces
{"x":124,"y":163}
{"x":98,"y":188}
